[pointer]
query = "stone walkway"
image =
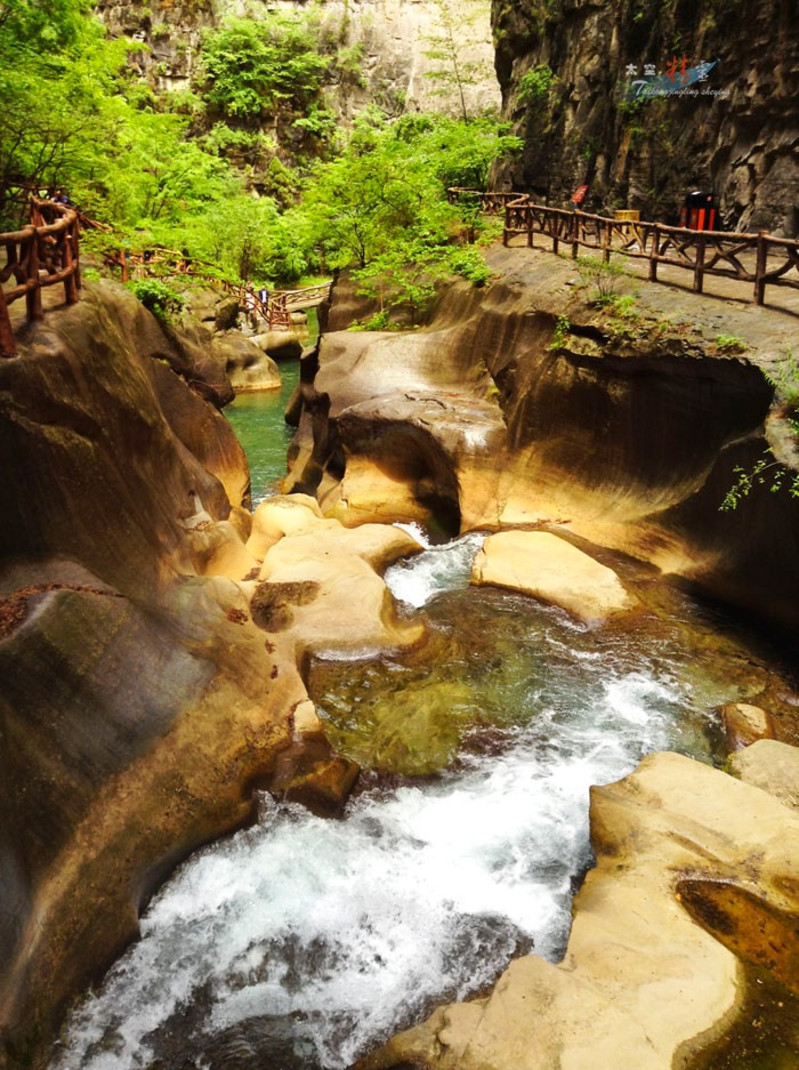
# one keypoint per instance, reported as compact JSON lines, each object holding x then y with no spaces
{"x":779,"y":298}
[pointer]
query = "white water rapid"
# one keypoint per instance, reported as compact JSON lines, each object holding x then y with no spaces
{"x":303,"y":942}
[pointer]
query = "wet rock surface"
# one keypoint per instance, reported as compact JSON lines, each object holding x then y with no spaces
{"x":693,"y":870}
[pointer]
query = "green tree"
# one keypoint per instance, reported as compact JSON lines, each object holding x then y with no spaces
{"x":251,"y":69}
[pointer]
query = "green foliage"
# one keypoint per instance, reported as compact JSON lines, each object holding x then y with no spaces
{"x":534,"y":86}
{"x":252,"y":68}
{"x":470,"y":264}
{"x":604,"y":276}
{"x":319,"y":121}
{"x":561,"y":332}
{"x":768,"y":471}
{"x":728,"y":343}
{"x":785,"y":380}
{"x":453,"y":71}
{"x":158,"y":297}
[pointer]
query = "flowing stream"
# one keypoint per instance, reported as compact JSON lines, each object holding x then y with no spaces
{"x":302,"y":942}
{"x":257,"y":419}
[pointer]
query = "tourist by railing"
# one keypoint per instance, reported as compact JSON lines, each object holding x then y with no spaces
{"x":43,"y":253}
{"x":758,"y":259}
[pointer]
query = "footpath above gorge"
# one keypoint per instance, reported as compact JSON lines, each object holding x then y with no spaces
{"x":524,"y":404}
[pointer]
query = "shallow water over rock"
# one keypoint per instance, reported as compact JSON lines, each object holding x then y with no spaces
{"x":303,"y":942}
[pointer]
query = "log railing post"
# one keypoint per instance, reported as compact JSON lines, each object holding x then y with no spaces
{"x":573,"y":235}
{"x":699,"y":265}
{"x":653,"y":254}
{"x":606,"y":242}
{"x":33,"y":298}
{"x":8,"y":347}
{"x":70,"y":285}
{"x":760,"y":268}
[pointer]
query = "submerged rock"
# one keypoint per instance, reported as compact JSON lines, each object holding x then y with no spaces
{"x":745,"y":724}
{"x":549,"y":568}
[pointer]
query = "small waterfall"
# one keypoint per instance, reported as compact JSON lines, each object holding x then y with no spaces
{"x":417,"y":580}
{"x":303,"y":942}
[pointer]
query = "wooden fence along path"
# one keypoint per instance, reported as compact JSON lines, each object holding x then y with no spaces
{"x":758,"y":259}
{"x":43,"y":253}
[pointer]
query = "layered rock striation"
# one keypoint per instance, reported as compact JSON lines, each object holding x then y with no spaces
{"x":521,"y":405}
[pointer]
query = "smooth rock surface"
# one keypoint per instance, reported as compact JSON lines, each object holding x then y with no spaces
{"x":745,"y":724}
{"x":547,"y":567}
{"x":642,"y":983}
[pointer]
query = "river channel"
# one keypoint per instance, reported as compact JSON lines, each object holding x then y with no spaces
{"x":302,"y":942}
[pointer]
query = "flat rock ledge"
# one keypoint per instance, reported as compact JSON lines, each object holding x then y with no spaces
{"x":553,"y":570}
{"x":696,"y":874}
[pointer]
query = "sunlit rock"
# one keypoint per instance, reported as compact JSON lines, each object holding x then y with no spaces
{"x":247,"y":365}
{"x":769,"y":765}
{"x":744,"y":724}
{"x":275,"y":517}
{"x":696,"y":874}
{"x":549,"y":568}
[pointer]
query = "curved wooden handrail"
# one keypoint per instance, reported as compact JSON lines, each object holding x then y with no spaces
{"x":41,"y":254}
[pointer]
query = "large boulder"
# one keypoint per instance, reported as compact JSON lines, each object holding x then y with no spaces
{"x":696,"y":875}
{"x":102,"y":435}
{"x":547,"y":567}
{"x":247,"y":365}
{"x":319,"y":580}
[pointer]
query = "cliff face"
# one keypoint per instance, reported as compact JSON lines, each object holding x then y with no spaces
{"x":403,"y":53}
{"x":135,"y":701}
{"x":735,"y":132}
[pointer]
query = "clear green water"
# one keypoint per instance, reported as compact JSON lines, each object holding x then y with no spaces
{"x":260,"y":427}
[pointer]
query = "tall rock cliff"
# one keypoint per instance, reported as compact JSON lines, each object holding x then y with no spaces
{"x":403,"y":54}
{"x":568,"y":68}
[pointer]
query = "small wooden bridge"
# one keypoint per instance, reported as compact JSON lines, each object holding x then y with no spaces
{"x":43,"y":253}
{"x":275,"y":311}
{"x":759,"y":260}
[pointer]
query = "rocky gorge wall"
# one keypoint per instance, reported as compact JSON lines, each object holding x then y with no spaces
{"x":521,"y":405}
{"x":735,"y":134}
{"x":391,"y":42}
{"x":152,"y":633}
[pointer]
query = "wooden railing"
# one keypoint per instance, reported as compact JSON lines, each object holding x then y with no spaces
{"x":281,"y":303}
{"x":41,"y":254}
{"x":486,"y":200}
{"x":757,"y":259}
{"x":276,"y":311}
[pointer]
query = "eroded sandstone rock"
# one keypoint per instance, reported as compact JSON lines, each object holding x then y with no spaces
{"x":629,"y":439}
{"x":248,"y":366}
{"x":745,"y":724}
{"x":696,"y":872}
{"x":547,"y":567}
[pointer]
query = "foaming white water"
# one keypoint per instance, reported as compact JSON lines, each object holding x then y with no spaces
{"x":438,"y":568}
{"x":348,"y":929}
{"x":416,"y":531}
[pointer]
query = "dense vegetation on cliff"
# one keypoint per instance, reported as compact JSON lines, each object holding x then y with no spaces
{"x":207,"y":169}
